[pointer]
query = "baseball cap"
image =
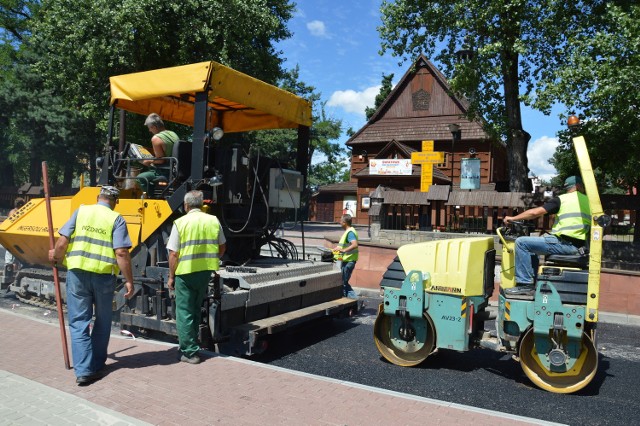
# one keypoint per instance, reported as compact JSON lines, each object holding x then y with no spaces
{"x":572,"y":181}
{"x":110,"y":192}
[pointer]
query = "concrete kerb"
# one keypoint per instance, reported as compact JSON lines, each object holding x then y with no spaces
{"x":604,"y":317}
{"x":42,"y":404}
{"x":621,"y":319}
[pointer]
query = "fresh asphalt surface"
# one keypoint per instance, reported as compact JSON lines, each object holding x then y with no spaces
{"x":344,"y":349}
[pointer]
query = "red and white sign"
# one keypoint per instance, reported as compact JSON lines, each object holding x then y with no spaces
{"x":390,"y":167}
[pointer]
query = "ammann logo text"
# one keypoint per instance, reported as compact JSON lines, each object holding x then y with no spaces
{"x":90,"y":228}
{"x":457,"y":290}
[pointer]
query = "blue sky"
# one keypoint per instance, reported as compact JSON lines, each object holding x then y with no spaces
{"x":336,"y":45}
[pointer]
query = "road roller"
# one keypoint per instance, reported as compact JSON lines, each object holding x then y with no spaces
{"x":437,"y":294}
{"x":265,"y":285}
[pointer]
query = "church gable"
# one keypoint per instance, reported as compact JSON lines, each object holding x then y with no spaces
{"x":422,"y":92}
{"x":395,"y":150}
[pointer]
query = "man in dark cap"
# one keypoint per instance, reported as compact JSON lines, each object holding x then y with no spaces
{"x":94,"y":245}
{"x":569,"y":233}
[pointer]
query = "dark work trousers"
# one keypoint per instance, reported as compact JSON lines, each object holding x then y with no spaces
{"x":190,"y":292}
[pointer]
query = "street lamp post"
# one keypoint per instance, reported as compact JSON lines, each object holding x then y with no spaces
{"x":455,"y":135}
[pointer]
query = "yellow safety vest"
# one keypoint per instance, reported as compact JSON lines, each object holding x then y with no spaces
{"x":91,"y":244}
{"x":573,"y":220}
{"x":198,"y":243}
{"x":351,"y":256}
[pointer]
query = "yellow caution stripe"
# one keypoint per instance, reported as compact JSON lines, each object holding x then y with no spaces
{"x":507,"y":311}
{"x":463,"y":308}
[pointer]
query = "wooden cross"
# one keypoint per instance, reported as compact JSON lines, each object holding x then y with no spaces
{"x":427,"y":158}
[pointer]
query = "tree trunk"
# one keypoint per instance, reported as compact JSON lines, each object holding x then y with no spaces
{"x":517,"y":138}
{"x":67,"y":179}
{"x":93,"y":170}
{"x":96,"y":149}
{"x":517,"y":157}
{"x":35,"y":167}
{"x":6,"y":174}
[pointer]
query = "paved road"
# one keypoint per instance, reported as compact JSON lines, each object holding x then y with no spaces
{"x":344,"y":350}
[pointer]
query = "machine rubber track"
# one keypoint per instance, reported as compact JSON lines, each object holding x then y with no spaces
{"x":40,"y":303}
{"x":25,"y":292}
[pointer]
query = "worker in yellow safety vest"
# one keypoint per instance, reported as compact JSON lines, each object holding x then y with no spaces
{"x":94,"y":245}
{"x":195,"y":245}
{"x":347,"y":252}
{"x":568,"y":235}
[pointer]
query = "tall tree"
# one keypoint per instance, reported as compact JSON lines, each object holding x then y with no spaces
{"x":507,"y":47}
{"x":15,"y":20}
{"x":385,"y":89}
{"x":40,"y":126}
{"x":598,"y":79}
{"x":80,"y":43}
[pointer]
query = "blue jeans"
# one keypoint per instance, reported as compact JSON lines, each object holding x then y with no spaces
{"x":528,"y":249}
{"x":347,"y":270}
{"x":87,"y":291}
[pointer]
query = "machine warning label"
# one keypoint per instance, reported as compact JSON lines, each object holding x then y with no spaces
{"x":456,"y":290}
{"x":27,"y":228}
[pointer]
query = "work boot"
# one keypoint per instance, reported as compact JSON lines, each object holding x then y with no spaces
{"x":521,"y":290}
{"x":191,"y":360}
{"x":87,"y":380}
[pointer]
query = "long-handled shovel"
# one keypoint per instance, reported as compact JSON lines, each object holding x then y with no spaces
{"x":56,"y":280}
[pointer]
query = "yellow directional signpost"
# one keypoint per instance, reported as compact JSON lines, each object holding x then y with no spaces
{"x":427,"y":158}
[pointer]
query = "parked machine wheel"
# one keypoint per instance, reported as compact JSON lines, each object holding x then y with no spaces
{"x":576,"y":378}
{"x":404,"y":342}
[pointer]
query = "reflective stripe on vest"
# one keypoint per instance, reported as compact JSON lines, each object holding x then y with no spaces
{"x":198,"y":243}
{"x":351,"y":256}
{"x":574,"y":217}
{"x":91,"y":245}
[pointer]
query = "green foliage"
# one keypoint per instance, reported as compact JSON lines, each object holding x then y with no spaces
{"x":385,"y":89}
{"x":40,"y":125}
{"x":598,"y":79}
{"x":111,"y":37}
{"x":15,"y":16}
{"x":67,"y":49}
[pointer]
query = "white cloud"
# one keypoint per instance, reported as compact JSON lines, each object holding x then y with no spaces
{"x":352,"y":101}
{"x":317,"y":28}
{"x":539,"y":153}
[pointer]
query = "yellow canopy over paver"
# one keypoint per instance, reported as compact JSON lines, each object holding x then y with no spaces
{"x":236,"y":101}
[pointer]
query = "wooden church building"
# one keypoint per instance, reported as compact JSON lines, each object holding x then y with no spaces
{"x":409,"y":164}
